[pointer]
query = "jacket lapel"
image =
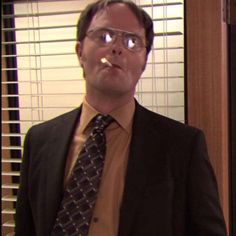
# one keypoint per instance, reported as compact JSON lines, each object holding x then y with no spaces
{"x":55,"y":157}
{"x":144,"y":141}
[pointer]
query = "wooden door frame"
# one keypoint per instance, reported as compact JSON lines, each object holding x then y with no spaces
{"x":207,"y":84}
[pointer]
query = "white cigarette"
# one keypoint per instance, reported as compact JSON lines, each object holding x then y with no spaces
{"x":105,"y":61}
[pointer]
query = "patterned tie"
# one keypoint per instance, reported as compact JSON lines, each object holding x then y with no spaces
{"x":79,"y":198}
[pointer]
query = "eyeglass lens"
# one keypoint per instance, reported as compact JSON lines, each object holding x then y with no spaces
{"x":105,"y":36}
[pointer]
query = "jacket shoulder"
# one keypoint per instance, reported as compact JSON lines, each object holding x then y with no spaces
{"x":40,"y":134}
{"x":68,"y":116}
{"x":165,"y":124}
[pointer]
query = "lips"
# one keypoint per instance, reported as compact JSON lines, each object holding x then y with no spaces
{"x":112,"y":63}
{"x":116,"y":65}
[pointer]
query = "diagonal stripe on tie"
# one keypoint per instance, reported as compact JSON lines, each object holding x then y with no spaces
{"x":79,"y":198}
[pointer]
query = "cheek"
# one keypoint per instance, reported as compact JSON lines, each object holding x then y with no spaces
{"x":89,"y":55}
{"x":89,"y":62}
{"x":134,"y":76}
{"x":138,"y":67}
{"x":137,"y":70}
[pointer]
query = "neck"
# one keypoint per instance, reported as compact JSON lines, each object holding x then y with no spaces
{"x":105,"y":104}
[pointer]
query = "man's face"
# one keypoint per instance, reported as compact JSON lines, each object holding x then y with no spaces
{"x":127,"y":66}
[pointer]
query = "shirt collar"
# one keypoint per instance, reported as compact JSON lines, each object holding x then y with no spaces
{"x":123,"y":115}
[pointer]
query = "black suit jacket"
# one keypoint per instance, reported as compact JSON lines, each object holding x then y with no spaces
{"x":170,"y":188}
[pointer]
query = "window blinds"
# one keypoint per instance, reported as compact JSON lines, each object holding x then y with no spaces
{"x":44,"y":78}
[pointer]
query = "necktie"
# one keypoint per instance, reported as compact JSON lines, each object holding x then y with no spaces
{"x":79,"y":198}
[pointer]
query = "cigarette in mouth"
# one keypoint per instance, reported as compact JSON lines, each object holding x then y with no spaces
{"x":105,"y":61}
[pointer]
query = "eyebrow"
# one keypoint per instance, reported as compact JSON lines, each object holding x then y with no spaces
{"x":115,"y":29}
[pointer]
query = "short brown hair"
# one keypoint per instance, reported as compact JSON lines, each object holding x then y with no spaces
{"x":89,"y":12}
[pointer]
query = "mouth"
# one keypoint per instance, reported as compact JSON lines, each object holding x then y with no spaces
{"x":109,"y":63}
{"x":117,"y":66}
{"x":106,"y":62}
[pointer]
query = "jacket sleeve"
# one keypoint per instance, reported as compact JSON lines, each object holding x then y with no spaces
{"x":205,"y":213}
{"x":23,"y":218}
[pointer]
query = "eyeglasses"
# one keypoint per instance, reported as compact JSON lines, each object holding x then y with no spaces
{"x":107,"y":36}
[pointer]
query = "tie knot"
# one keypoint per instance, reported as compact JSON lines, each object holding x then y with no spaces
{"x":101,"y":122}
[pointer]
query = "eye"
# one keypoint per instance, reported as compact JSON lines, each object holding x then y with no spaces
{"x":133,"y":42}
{"x":105,"y":37}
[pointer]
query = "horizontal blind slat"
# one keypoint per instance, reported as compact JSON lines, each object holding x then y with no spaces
{"x":80,"y":79}
{"x":38,"y":41}
{"x":73,"y":53}
{"x":168,"y":33}
{"x":9,"y":198}
{"x":74,"y":26}
{"x":9,"y":16}
{"x":10,"y":186}
{"x":11,"y":160}
{"x":10,"y":223}
{"x":61,"y":67}
{"x":11,"y":147}
{"x":8,"y":211}
{"x":64,"y":94}
{"x":10,"y":173}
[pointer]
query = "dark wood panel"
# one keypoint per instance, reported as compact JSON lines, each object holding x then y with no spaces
{"x":232,"y":75}
{"x":207,"y":91}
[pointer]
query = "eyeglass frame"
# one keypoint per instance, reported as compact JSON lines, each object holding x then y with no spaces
{"x":120,"y":33}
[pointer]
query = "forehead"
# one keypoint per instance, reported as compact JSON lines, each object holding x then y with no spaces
{"x":119,"y":16}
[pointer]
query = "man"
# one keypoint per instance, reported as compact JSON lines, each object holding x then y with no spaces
{"x":156,"y":179}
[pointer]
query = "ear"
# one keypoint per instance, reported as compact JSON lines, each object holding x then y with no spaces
{"x":78,"y":50}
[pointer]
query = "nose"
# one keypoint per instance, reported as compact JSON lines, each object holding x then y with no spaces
{"x":117,"y":46}
{"x":116,"y":51}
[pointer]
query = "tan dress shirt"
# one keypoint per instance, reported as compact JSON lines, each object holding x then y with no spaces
{"x":105,"y":218}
